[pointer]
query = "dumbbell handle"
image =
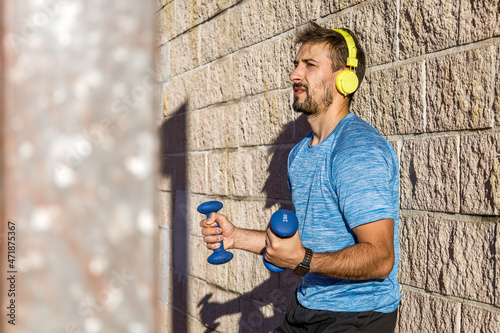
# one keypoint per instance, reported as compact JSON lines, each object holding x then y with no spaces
{"x":284,"y":223}
{"x":219,"y":256}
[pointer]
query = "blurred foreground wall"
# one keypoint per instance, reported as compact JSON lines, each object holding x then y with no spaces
{"x":432,"y":88}
{"x":78,"y":154}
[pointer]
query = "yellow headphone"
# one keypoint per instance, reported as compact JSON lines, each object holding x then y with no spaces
{"x":347,"y":81}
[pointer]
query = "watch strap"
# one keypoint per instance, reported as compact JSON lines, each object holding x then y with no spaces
{"x":304,"y":266}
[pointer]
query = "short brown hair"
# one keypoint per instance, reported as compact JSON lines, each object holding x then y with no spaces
{"x":313,"y":33}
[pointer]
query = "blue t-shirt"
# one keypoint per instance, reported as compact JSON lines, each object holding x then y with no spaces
{"x":349,"y":179}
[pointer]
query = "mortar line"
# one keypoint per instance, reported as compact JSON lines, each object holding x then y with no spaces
{"x":398,"y":24}
{"x":458,"y":175}
{"x":492,"y":41}
{"x":456,"y":299}
{"x":424,"y":94}
{"x":443,"y":134}
{"x":452,"y":216}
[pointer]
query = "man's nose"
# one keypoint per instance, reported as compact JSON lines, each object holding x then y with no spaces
{"x":296,"y":75}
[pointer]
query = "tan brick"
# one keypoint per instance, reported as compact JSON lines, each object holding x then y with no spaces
{"x":184,"y":52}
{"x":210,"y":128}
{"x":496,"y":102}
{"x":200,"y":91}
{"x":461,"y":259}
{"x":416,"y":38}
{"x":197,"y":172}
{"x":173,"y":171}
{"x":203,"y":10}
{"x":254,"y":215}
{"x":429,"y":174}
{"x":164,"y":263}
{"x":177,"y":93}
{"x":216,"y":38}
{"x":459,"y":91}
{"x":217,"y":308}
{"x":375,"y":27}
{"x":229,"y":131}
{"x":165,"y":63}
{"x":478,"y":20}
{"x":165,"y":318}
{"x":183,"y":17}
{"x":194,"y":136}
{"x":195,"y":217}
{"x":480,"y":174}
{"x":287,"y":55}
{"x":217,"y":164}
{"x":361,"y":103}
{"x":224,"y":4}
{"x":161,"y":31}
{"x":249,"y":121}
{"x":164,"y":208}
{"x":265,"y":174}
{"x":240,"y":173}
{"x":250,"y":277}
{"x":279,"y":17}
{"x":251,"y":27}
{"x":199,"y":266}
{"x":264,"y":119}
{"x":164,"y":100}
{"x":258,"y":317}
{"x":413,"y":251}
{"x":221,"y":84}
{"x":306,"y":11}
{"x":423,"y":313}
{"x":497,"y":260}
{"x":479,"y":320}
{"x":258,"y":68}
{"x":165,"y":180}
{"x":158,"y":64}
{"x":184,"y":323}
{"x":397,"y":102}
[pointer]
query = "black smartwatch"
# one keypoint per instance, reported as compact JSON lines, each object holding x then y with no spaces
{"x":303,"y":267}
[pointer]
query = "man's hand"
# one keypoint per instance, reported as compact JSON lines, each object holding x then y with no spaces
{"x":284,"y":252}
{"x":210,"y":231}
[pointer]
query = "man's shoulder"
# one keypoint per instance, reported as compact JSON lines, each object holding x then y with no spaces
{"x":358,"y":135}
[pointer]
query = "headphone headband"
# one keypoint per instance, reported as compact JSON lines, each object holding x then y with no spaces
{"x":352,"y":60}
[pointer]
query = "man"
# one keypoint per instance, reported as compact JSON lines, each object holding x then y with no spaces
{"x":344,"y":180}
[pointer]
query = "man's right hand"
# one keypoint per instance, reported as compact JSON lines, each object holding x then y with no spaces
{"x":210,"y":231}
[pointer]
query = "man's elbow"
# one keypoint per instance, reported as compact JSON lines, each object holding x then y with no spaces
{"x":386,"y":266}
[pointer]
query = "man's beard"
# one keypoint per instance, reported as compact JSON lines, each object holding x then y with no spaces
{"x":309,"y":106}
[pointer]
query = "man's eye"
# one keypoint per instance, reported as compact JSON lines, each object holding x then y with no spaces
{"x":309,"y":64}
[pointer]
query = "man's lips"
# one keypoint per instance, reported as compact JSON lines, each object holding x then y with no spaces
{"x":299,"y":90}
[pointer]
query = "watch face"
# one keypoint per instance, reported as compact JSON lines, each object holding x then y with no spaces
{"x":300,"y":270}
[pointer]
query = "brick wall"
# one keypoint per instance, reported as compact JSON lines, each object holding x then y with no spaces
{"x":432,"y":89}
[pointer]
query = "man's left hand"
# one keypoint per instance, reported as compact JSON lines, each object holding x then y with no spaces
{"x":284,"y":252}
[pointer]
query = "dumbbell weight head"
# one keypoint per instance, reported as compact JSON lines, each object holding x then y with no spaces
{"x":284,"y":223}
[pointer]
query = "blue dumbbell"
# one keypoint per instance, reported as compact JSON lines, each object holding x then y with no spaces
{"x":219,"y":256}
{"x":284,"y":223}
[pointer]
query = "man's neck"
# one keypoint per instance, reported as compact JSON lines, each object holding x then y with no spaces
{"x":324,"y":123}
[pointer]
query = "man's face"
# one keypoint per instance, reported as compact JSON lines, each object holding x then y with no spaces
{"x":313,"y":79}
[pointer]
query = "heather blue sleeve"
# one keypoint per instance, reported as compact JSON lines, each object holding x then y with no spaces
{"x":362,"y":180}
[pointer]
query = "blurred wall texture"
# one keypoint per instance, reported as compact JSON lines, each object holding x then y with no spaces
{"x":78,"y":166}
{"x":432,"y":89}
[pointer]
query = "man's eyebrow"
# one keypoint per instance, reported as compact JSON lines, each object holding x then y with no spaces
{"x":305,"y":60}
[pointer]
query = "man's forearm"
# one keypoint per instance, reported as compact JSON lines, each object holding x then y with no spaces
{"x":361,"y":261}
{"x":250,"y":240}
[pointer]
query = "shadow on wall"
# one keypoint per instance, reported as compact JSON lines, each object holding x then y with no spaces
{"x":263,"y":308}
{"x":173,"y":133}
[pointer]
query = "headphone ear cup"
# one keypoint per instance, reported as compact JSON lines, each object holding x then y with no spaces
{"x":346,"y":82}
